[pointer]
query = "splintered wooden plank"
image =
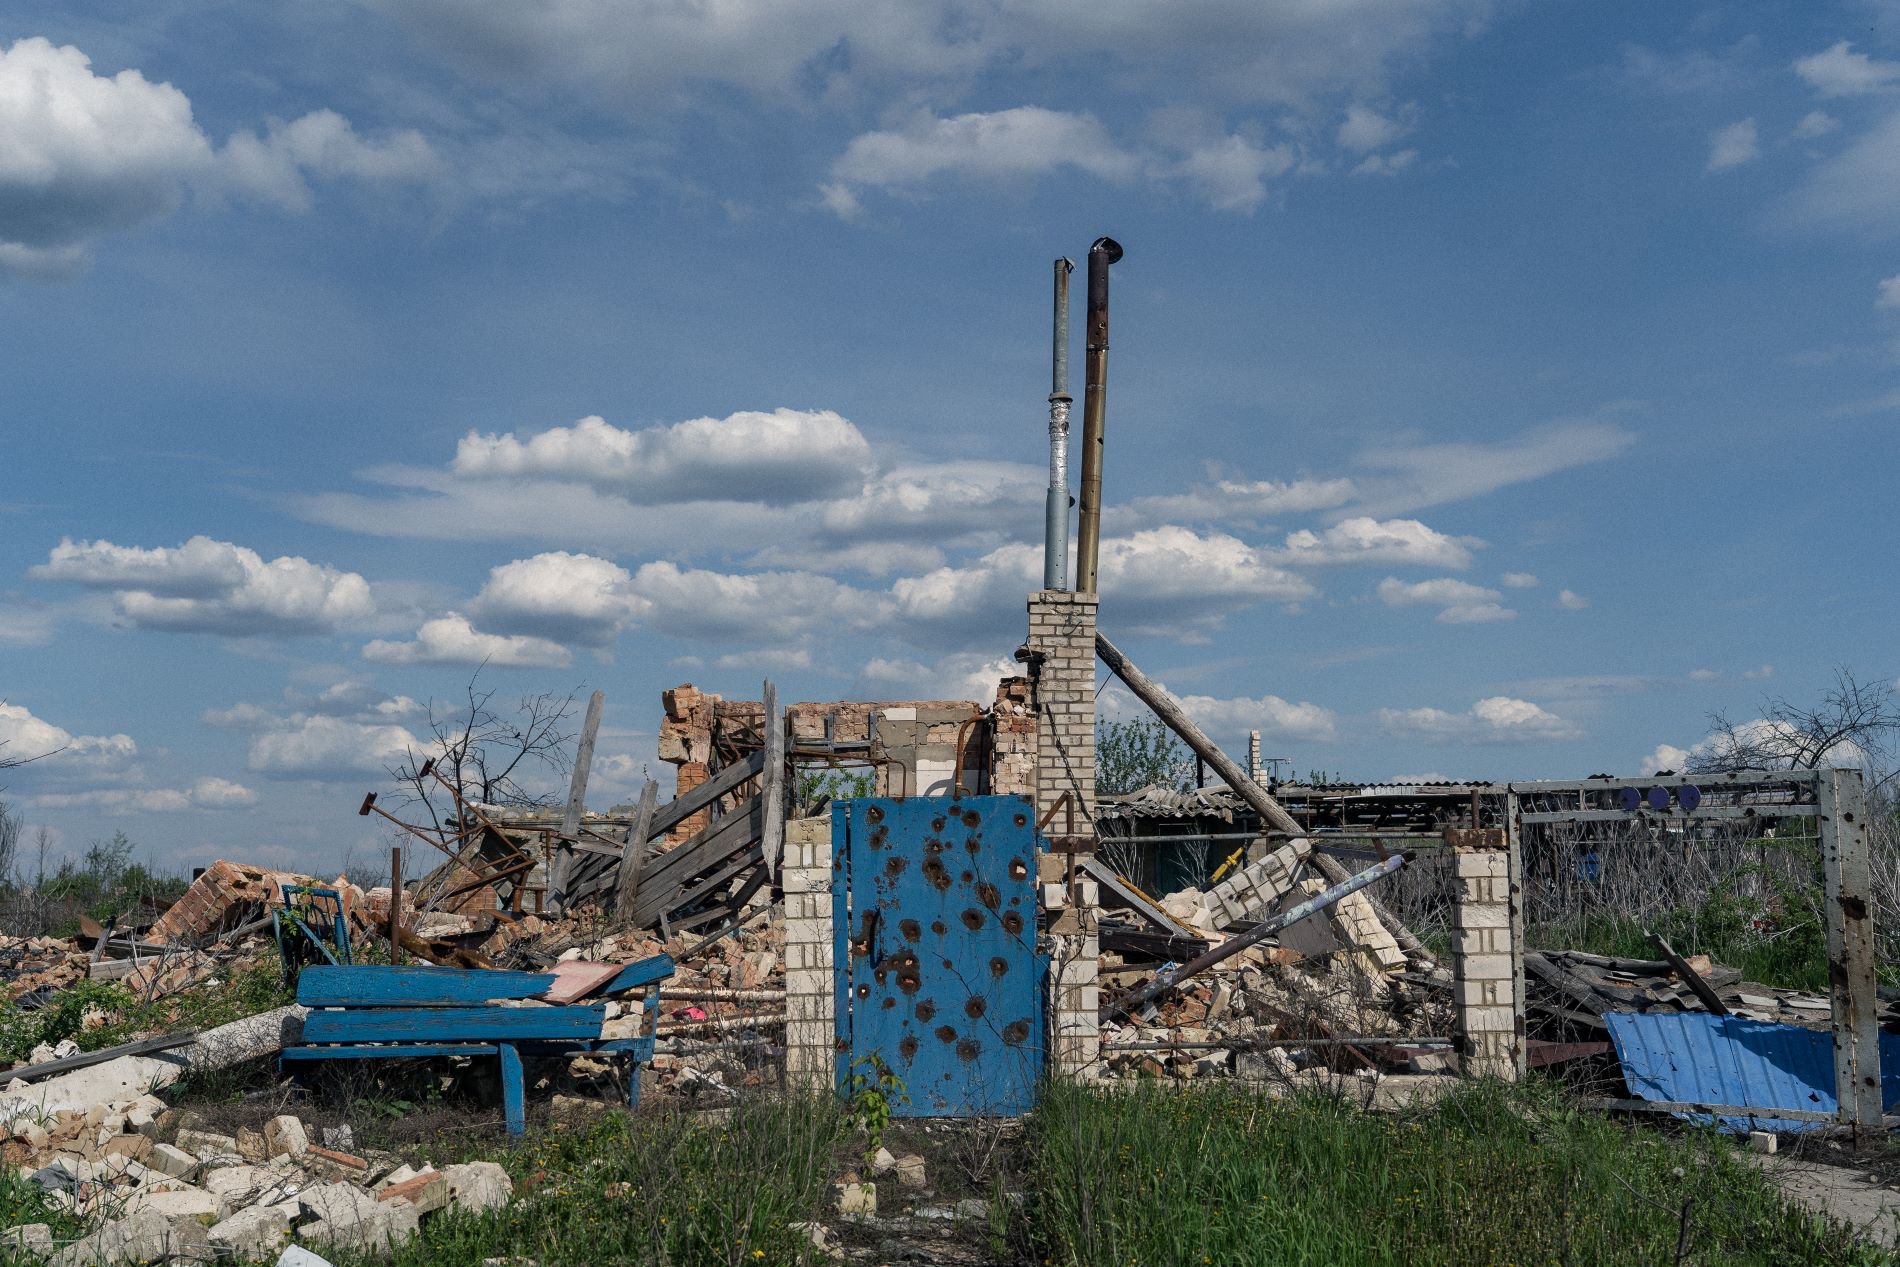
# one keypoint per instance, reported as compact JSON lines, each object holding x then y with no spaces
{"x":659,"y":901}
{"x":452,"y":1025}
{"x":713,"y":845}
{"x":371,"y":986}
{"x":684,"y":807}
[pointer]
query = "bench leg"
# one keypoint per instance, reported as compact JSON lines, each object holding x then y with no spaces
{"x":511,"y":1090}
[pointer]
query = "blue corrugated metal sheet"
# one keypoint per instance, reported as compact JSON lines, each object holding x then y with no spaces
{"x":1697,"y":1058}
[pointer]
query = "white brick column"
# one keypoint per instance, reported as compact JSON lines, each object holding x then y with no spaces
{"x":1062,"y":631}
{"x":810,"y":1004}
{"x":1486,"y":959}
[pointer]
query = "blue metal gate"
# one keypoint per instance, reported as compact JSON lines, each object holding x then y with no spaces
{"x":937,"y":973}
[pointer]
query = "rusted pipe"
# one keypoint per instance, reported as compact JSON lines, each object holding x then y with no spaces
{"x":1088,"y":527}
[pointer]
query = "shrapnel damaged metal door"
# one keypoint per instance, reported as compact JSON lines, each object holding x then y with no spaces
{"x":937,"y":971}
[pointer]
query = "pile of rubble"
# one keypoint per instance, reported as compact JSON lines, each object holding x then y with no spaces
{"x":34,"y":967}
{"x":1337,"y":988}
{"x":1570,"y":991}
{"x":207,"y":1195}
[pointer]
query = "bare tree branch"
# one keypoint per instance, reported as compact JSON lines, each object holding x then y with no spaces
{"x":1854,"y":723}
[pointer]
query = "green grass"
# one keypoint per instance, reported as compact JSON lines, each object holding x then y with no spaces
{"x":1794,"y":959}
{"x":1217,"y":1177}
{"x":651,"y":1188}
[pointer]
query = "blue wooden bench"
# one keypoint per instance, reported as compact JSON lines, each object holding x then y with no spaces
{"x":384,"y":1013}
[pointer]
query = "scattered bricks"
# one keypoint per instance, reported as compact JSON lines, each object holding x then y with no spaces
{"x":339,"y":1137}
{"x":857,"y":1200}
{"x":139,"y":1121}
{"x":284,"y":1137}
{"x":258,"y":1232}
{"x":144,"y":1237}
{"x":250,"y":1144}
{"x":479,"y":1185}
{"x":346,"y":1217}
{"x":330,"y":1164}
{"x":205,"y":1145}
{"x":175,"y":1162}
{"x":910,"y":1171}
{"x":426,"y":1192}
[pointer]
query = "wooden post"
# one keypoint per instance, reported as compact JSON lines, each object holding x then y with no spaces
{"x":1272,"y":814}
{"x":563,"y":860}
{"x":772,"y":786}
{"x":634,"y":853}
{"x":395,"y":904}
{"x":1850,"y":949}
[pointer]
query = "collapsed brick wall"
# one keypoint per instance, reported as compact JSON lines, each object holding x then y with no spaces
{"x":226,"y":895}
{"x":914,"y":742}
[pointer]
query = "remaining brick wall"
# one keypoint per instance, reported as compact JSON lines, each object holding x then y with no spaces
{"x":1013,"y":740}
{"x":1486,"y":959}
{"x":810,"y":1004}
{"x":1062,"y":630}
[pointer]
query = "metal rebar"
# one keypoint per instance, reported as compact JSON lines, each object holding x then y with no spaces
{"x":1088,"y":528}
{"x":1055,"y":543}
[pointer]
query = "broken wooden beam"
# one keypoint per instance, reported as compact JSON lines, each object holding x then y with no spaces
{"x":1169,"y":710}
{"x":1690,"y":977}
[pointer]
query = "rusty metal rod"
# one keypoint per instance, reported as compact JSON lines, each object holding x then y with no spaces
{"x":1088,"y":527}
{"x":1166,"y":981}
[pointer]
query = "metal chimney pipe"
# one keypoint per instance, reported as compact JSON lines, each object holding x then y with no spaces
{"x":1055,"y":534}
{"x":1088,"y":528}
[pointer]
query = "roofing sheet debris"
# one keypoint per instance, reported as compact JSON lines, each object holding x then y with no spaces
{"x":1697,"y":1058}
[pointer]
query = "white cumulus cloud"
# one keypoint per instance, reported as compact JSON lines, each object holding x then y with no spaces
{"x":1841,"y":72}
{"x":1272,"y":716}
{"x":1497,"y":719}
{"x":1363,"y":539}
{"x":1571,"y":601}
{"x":787,"y":455}
{"x":26,"y":737}
{"x":208,"y":586}
{"x":317,"y":747}
{"x":83,"y":155}
{"x":563,"y":597}
{"x":451,"y":639}
{"x":1458,"y":602}
{"x":1732,"y":145}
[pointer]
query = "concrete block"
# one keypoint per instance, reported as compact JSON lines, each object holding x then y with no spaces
{"x":479,"y":1185}
{"x":143,"y":1237}
{"x":177,"y":1203}
{"x":857,"y":1200}
{"x":206,"y":1144}
{"x":284,"y":1136}
{"x":175,"y":1162}
{"x":1493,"y":1019}
{"x":33,"y":1238}
{"x":1485,"y":968}
{"x":1764,"y":1142}
{"x":258,"y":1232}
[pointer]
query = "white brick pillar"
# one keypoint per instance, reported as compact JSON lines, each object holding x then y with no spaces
{"x":1486,"y":957}
{"x":810,"y":1003}
{"x":1062,"y":634}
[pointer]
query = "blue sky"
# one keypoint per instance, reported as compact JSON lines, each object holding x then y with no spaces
{"x":1496,"y":388}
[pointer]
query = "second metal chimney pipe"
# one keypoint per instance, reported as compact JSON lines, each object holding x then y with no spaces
{"x":1088,"y":528}
{"x":1055,"y":535}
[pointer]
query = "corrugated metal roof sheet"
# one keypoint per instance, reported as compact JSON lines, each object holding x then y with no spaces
{"x":1697,"y":1058}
